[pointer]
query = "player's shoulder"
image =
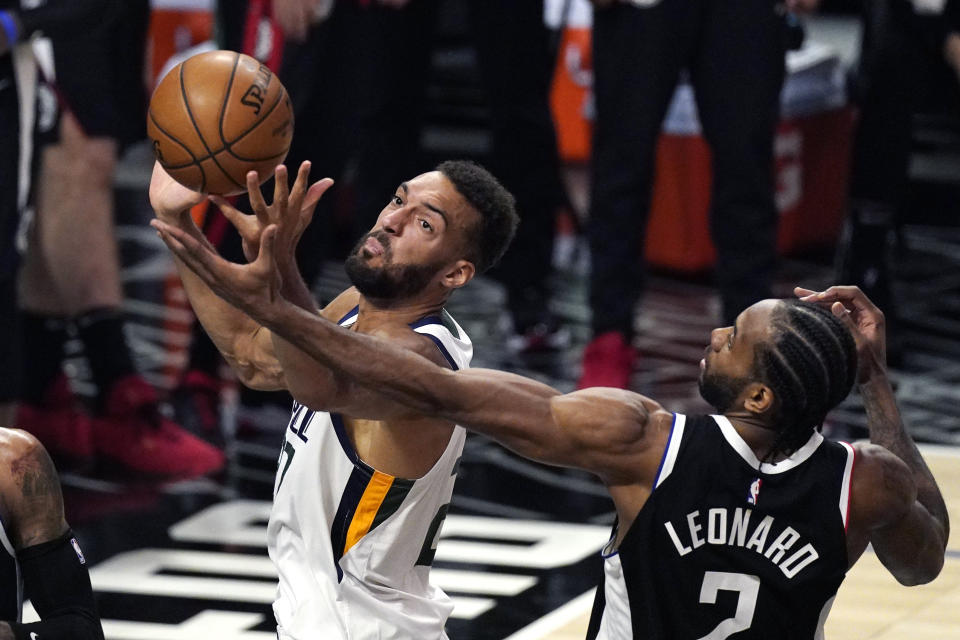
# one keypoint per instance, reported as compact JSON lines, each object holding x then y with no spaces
{"x":19,"y":450}
{"x":16,"y":444}
{"x":407,"y":337}
{"x":341,"y":305}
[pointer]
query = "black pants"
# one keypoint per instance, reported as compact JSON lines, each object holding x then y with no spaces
{"x":516,"y":66}
{"x":734,"y":52}
{"x":515,"y":62}
{"x":885,"y":90}
{"x":9,"y":223}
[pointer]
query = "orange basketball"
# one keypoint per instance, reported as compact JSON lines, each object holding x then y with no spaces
{"x":216,"y":116}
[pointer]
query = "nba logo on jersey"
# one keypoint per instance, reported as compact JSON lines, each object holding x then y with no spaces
{"x":76,"y":547}
{"x":754,"y":491}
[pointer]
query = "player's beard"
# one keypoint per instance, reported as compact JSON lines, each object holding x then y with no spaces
{"x":389,"y":281}
{"x":721,"y":391}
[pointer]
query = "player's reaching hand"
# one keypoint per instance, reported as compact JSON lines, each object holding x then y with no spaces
{"x":291,"y":210}
{"x":168,"y":197}
{"x":865,"y":321}
{"x":253,"y":288}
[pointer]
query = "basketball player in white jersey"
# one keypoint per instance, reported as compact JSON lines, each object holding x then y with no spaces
{"x":39,"y":555}
{"x":363,"y":484}
{"x":752,"y":501}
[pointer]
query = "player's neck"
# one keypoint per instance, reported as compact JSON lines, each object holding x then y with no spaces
{"x":758,"y":435}
{"x":374,"y":312}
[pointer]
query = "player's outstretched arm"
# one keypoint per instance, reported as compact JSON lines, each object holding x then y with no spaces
{"x":245,"y":345}
{"x":911,"y":545}
{"x":598,"y":430}
{"x":54,"y":571}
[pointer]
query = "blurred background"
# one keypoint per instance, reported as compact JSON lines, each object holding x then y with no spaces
{"x":863,"y":187}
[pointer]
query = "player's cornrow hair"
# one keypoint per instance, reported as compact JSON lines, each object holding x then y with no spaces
{"x":811,"y":364}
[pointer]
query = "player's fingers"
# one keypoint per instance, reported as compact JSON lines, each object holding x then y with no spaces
{"x":176,"y":243}
{"x":802,"y":292}
{"x":300,"y":184}
{"x":257,"y":202}
{"x":281,"y":190}
{"x":840,"y":311}
{"x":264,"y":262}
{"x":314,"y":193}
{"x":245,"y":224}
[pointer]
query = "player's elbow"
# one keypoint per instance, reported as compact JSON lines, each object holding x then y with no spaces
{"x":923,"y":571}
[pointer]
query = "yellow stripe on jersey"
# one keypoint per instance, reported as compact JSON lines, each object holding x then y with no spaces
{"x":367,"y":509}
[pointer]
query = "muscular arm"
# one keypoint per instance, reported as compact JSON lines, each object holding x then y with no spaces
{"x":911,"y":547}
{"x":54,"y":577}
{"x":896,"y":504}
{"x":598,"y":430}
{"x":245,"y":345}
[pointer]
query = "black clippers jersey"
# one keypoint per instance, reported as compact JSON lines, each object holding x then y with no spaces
{"x":11,"y":585}
{"x":720,"y":551}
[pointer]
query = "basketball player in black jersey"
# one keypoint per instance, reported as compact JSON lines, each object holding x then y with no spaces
{"x":753,"y":503}
{"x":39,"y":555}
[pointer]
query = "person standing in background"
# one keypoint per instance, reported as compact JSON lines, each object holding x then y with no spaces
{"x":92,"y":102}
{"x":734,"y":55}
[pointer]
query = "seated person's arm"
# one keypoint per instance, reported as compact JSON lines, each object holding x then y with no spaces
{"x":54,"y":572}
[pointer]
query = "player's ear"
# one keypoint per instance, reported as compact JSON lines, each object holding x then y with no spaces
{"x":459,"y":273}
{"x":758,"y":398}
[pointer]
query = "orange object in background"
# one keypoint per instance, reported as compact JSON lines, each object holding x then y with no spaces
{"x":811,"y":158}
{"x":570,"y":98}
{"x":173,"y":31}
{"x":812,"y":169}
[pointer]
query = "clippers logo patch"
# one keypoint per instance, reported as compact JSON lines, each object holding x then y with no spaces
{"x":76,"y":547}
{"x":754,"y":493}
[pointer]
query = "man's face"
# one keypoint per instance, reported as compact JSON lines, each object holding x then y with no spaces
{"x":728,"y":361}
{"x":421,"y":232}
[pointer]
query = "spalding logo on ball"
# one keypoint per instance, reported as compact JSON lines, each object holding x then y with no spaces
{"x":216,"y":116}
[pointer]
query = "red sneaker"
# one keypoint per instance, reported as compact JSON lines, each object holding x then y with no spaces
{"x":202,"y":394}
{"x":607,"y":362}
{"x":58,"y":422}
{"x":135,"y":434}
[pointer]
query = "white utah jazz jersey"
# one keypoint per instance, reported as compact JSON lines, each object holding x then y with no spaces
{"x":353,"y":546}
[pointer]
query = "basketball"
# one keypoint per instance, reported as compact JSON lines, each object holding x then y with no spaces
{"x":216,"y":116}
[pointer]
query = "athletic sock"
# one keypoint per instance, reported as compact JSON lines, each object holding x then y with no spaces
{"x":43,"y":337}
{"x":105,"y":345}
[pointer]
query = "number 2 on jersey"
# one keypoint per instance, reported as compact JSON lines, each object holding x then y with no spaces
{"x":747,"y":586}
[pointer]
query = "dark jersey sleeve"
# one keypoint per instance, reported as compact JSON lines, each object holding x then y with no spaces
{"x":56,"y":580}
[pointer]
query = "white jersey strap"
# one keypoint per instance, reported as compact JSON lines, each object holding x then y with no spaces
{"x":847,"y":480}
{"x":672,"y":450}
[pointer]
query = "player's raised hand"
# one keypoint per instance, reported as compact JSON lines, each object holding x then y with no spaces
{"x":292,"y":210}
{"x":864,"y":319}
{"x":252,"y":287}
{"x":168,"y":197}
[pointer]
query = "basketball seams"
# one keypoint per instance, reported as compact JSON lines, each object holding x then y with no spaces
{"x":193,"y":121}
{"x":229,"y":145}
{"x":210,"y":98}
{"x":223,"y":103}
{"x":203,"y":174}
